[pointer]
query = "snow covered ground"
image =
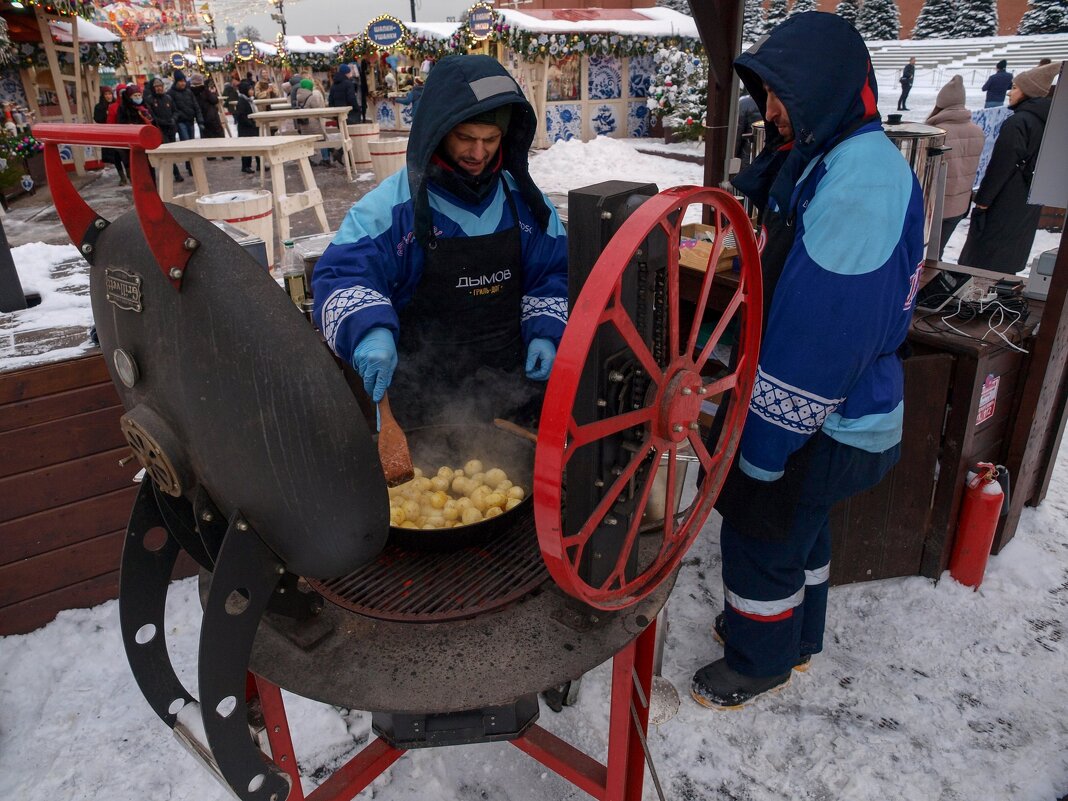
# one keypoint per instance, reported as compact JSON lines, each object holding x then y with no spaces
{"x":926,"y":691}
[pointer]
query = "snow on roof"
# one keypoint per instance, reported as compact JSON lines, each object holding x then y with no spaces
{"x":432,"y":30}
{"x":168,"y":42}
{"x":87,"y":32}
{"x":314,"y":44}
{"x":635,"y":22}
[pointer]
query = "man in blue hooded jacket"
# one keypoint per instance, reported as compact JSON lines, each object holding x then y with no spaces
{"x":844,"y":215}
{"x":453,"y":271}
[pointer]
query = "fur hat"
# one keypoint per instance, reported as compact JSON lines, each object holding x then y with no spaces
{"x":1036,"y":82}
{"x":179,"y":76}
{"x":952,"y":94}
{"x":196,"y":80}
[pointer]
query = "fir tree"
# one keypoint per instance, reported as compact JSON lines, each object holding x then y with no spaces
{"x":936,"y":20}
{"x":879,"y":19}
{"x":1044,"y":16}
{"x":776,"y":14}
{"x":849,"y":10}
{"x":679,"y":93}
{"x":801,"y":6}
{"x":976,"y":18}
{"x":753,"y":25}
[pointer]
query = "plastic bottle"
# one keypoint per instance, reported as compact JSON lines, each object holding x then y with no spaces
{"x":293,"y":274}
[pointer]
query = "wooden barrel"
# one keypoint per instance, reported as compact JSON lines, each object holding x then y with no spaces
{"x":361,"y":133}
{"x":387,"y":156}
{"x":251,"y":210}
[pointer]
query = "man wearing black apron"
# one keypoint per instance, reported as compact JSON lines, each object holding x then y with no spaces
{"x":447,"y":284}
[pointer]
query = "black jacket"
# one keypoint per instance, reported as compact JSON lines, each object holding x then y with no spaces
{"x":186,"y":108}
{"x":908,"y":74}
{"x":343,"y":94}
{"x":208,"y":101}
{"x":245,"y":126}
{"x":1000,"y":237}
{"x":161,"y":107}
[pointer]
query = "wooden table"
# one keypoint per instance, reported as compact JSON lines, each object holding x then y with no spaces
{"x":270,"y":102}
{"x":264,"y":120}
{"x":273,"y":150}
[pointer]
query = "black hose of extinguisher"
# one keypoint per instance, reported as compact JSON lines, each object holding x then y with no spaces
{"x":1005,"y":482}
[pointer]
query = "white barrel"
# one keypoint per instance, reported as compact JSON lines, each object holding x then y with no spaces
{"x":387,"y":156}
{"x":361,"y":133}
{"x":251,"y":210}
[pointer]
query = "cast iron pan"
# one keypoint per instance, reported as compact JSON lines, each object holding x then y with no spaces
{"x":452,"y":446}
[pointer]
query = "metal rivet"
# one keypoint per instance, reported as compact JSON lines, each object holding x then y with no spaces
{"x":687,"y":391}
{"x":611,"y":521}
{"x":190,"y":244}
{"x":87,"y":248}
{"x":677,"y":428}
{"x":242,"y":525}
{"x":594,"y":619}
{"x":176,"y":272}
{"x":694,"y":426}
{"x":639,"y":252}
{"x":100,"y":224}
{"x":702,"y":391}
{"x":207,"y":516}
{"x":598,"y":483}
{"x":601,"y":403}
{"x":280,"y":570}
{"x":277,"y":729}
{"x":125,"y":460}
{"x":606,"y":215}
{"x":615,"y":376}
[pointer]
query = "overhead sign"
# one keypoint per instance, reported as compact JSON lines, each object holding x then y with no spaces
{"x":178,"y":61}
{"x":244,"y":50}
{"x":384,"y":32}
{"x":480,"y":19}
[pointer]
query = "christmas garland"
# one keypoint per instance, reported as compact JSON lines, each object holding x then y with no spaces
{"x":93,"y":54}
{"x":318,"y":62}
{"x":532,"y":45}
{"x":19,"y":147}
{"x":66,"y":8}
{"x":416,"y":45}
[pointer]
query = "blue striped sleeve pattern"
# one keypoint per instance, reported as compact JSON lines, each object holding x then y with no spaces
{"x":828,"y":360}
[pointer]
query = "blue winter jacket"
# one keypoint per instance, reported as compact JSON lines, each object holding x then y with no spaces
{"x":375,"y":263}
{"x":842,"y":305}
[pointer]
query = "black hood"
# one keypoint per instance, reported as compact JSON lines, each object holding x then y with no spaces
{"x":458,"y":88}
{"x":819,"y":67}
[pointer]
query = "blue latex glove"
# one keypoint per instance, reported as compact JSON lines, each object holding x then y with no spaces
{"x":375,"y":359}
{"x":540,"y":356}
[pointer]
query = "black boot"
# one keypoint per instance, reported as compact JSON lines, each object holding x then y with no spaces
{"x":717,"y":686}
{"x":719,"y":633}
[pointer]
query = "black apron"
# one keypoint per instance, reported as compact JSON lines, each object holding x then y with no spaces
{"x":461,"y":347}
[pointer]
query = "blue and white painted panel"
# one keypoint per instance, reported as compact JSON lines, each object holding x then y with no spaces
{"x":638,"y":120}
{"x":640,"y":71}
{"x":605,"y":80}
{"x":563,"y":121}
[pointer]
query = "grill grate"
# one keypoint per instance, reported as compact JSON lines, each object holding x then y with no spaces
{"x":424,"y":587}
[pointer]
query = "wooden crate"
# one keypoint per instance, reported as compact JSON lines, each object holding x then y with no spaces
{"x":64,"y":498}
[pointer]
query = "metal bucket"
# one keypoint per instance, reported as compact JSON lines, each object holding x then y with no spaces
{"x":686,"y":466}
{"x":922,"y":147}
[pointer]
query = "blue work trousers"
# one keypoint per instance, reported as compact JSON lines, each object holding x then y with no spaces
{"x":776,"y":589}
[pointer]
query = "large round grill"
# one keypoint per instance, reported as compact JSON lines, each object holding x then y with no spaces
{"x":425,"y":587}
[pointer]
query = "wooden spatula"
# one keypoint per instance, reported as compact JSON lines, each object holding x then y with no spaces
{"x":393,"y":448}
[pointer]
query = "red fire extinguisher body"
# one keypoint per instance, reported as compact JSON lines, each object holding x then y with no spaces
{"x":978,"y":521}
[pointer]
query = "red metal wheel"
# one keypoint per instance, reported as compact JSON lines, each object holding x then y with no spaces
{"x":667,"y":421}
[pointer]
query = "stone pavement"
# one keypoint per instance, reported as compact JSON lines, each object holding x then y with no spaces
{"x":33,"y":218}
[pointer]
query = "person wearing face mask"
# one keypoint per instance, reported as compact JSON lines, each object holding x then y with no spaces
{"x":453,"y":271}
{"x":1003,"y":223}
{"x":844,"y":217}
{"x":132,"y":111}
{"x":109,"y":155}
{"x":164,"y":117}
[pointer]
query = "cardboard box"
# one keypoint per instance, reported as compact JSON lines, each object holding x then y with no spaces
{"x":695,"y":248}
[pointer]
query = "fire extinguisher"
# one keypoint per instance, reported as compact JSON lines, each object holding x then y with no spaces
{"x":983,"y":497}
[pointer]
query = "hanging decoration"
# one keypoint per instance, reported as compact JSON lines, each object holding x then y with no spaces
{"x":65,"y":8}
{"x":93,"y":54}
{"x":481,"y":19}
{"x":244,"y":50}
{"x":530,"y":45}
{"x":281,"y":59}
{"x":178,"y":61}
{"x":386,"y":32}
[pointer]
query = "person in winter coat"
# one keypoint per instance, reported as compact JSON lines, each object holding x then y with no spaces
{"x":113,"y":109}
{"x":230,"y":92}
{"x":365,"y":67}
{"x":907,"y":76}
{"x":1003,"y":224}
{"x":309,"y":96}
{"x":109,"y":155}
{"x":997,"y":85}
{"x":265,"y":87}
{"x":245,"y":126}
{"x":825,"y":416}
{"x":453,"y":271}
{"x":133,"y":111}
{"x":164,"y":117}
{"x":343,"y":93}
{"x":965,"y":140}
{"x":186,"y":109}
{"x":208,"y":102}
{"x":748,"y":113}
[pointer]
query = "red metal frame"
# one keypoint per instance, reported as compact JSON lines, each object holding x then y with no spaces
{"x":169,"y":242}
{"x":620,"y":779}
{"x":670,"y":419}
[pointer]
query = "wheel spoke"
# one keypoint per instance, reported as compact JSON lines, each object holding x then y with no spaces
{"x":611,"y":495}
{"x":722,"y":384}
{"x":669,"y":496}
{"x":585,"y":434}
{"x":625,"y":326}
{"x":700,"y":451}
{"x":620,"y":567}
{"x":673,"y":287}
{"x":717,"y":332}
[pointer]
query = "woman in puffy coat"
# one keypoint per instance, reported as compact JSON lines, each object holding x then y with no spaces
{"x":109,"y":155}
{"x":965,"y":139}
{"x":310,"y":96}
{"x":1003,"y":223}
